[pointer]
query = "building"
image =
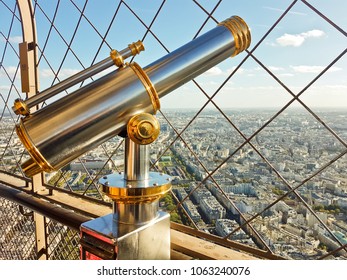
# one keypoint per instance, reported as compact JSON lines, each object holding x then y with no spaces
{"x":90,"y":165}
{"x":212,"y":209}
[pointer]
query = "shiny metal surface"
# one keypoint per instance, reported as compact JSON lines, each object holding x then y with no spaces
{"x":67,"y":217}
{"x":141,"y":191}
{"x":136,"y":161}
{"x":184,"y":64}
{"x":20,"y":107}
{"x":150,"y":241}
{"x":85,"y":118}
{"x":241,"y":33}
{"x":143,"y":129}
{"x":137,"y":225}
{"x":136,"y":192}
{"x":152,"y":93}
{"x":79,"y":122}
{"x":133,"y":49}
{"x":69,"y":82}
{"x":115,"y":58}
{"x":137,"y":214}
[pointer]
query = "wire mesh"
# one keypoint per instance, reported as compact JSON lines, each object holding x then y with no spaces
{"x":62,"y":242}
{"x":17,"y":232}
{"x":271,"y":178}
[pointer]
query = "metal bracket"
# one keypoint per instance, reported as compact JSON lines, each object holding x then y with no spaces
{"x":24,"y":48}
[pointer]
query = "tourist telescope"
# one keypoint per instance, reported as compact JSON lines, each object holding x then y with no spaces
{"x":124,"y":103}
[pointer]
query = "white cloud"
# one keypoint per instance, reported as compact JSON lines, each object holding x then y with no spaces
{"x":9,"y":71}
{"x":275,"y":68}
{"x":313,"y":68}
{"x":257,"y":89}
{"x":279,"y":71}
{"x":337,"y":87}
{"x":285,"y":75}
{"x":46,"y":73}
{"x":327,"y":95}
{"x":13,"y":39}
{"x":16,"y":39}
{"x":68,"y":72}
{"x":282,"y":11}
{"x":239,"y":70}
{"x":214,"y":71}
{"x":63,"y":74}
{"x":315,"y":33}
{"x":296,"y":40}
{"x":6,"y":88}
{"x":290,"y":40}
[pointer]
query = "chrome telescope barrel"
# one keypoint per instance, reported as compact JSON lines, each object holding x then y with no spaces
{"x":228,"y":39}
{"x":82,"y":120}
{"x":71,"y":126}
{"x":69,"y":82}
{"x":115,"y":58}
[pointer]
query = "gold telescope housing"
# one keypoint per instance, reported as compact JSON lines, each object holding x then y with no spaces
{"x":76,"y":123}
{"x":82,"y":120}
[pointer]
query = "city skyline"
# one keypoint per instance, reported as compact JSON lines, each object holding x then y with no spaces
{"x":293,"y":145}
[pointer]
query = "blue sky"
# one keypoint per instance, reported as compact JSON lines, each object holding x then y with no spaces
{"x":296,"y":50}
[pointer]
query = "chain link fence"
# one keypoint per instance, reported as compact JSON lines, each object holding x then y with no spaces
{"x":270,"y":177}
{"x":62,"y":242}
{"x":17,"y":232}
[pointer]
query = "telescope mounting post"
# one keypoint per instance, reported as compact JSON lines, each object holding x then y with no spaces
{"x":136,"y":229}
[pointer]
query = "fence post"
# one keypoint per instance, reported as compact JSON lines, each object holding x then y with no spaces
{"x":30,"y":83}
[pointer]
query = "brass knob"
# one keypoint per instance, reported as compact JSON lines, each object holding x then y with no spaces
{"x":136,"y":47}
{"x":143,"y":128}
{"x":20,"y":108}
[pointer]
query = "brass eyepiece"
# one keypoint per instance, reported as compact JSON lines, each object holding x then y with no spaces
{"x":240,"y":31}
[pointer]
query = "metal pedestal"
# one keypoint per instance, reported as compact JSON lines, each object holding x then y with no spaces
{"x":105,"y":238}
{"x":136,"y":229}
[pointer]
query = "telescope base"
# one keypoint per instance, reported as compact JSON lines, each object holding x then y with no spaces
{"x":106,"y":239}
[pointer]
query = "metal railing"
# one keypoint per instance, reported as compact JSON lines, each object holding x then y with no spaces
{"x":18,"y":231}
{"x":17,"y":234}
{"x":260,"y":155}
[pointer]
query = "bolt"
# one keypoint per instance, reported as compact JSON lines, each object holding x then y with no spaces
{"x":105,"y":177}
{"x":107,"y":183}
